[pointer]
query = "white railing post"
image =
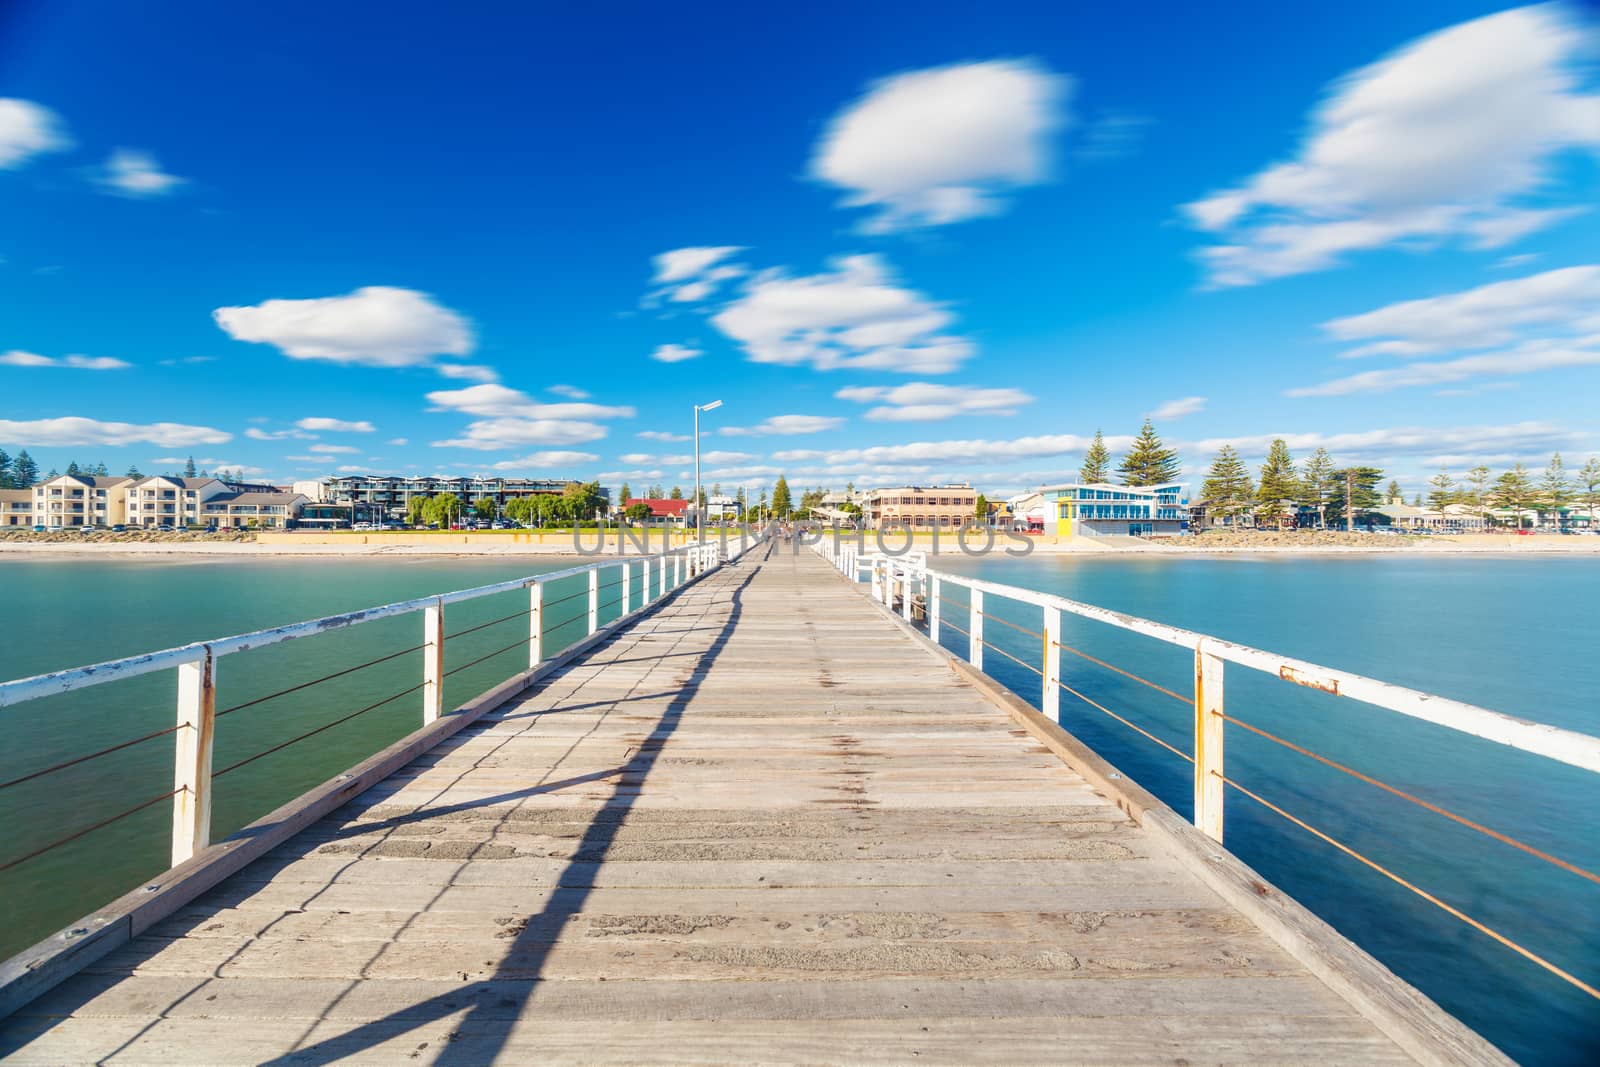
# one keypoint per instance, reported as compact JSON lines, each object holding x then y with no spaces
{"x":432,"y":661}
{"x":1208,"y":727}
{"x":677,"y":570}
{"x":1051,"y":702}
{"x":975,"y":628}
{"x":191,"y":804}
{"x":907,"y":592}
{"x":933,"y":607}
{"x":594,"y":599}
{"x":535,"y":624}
{"x":627,"y":586}
{"x":661,"y":561}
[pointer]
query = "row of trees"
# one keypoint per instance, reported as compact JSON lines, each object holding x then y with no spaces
{"x":1521,"y":491}
{"x":579,"y":502}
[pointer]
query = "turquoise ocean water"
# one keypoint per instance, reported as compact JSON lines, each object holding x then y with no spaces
{"x":1514,"y":634}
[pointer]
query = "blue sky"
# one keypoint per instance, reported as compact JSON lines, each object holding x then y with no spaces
{"x":912,"y":243}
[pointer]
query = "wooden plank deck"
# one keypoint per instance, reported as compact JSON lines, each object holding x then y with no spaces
{"x":763,"y":824}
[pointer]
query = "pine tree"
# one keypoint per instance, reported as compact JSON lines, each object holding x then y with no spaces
{"x":1441,"y":491}
{"x":1393,"y":493}
{"x":1279,"y":485}
{"x":100,"y":471}
{"x":1362,"y":483}
{"x":1148,"y":462}
{"x":780,"y":496}
{"x":1589,"y":478}
{"x":188,"y":468}
{"x":1227,"y":489}
{"x":624,"y":495}
{"x":1514,"y":491}
{"x":133,"y":471}
{"x":72,"y":469}
{"x":1096,"y":462}
{"x":1555,"y":490}
{"x":1316,"y":485}
{"x":677,"y":493}
{"x":5,"y":470}
{"x":24,"y":471}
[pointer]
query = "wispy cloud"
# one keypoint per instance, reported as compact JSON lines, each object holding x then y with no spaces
{"x":675,"y":353}
{"x":28,"y":129}
{"x":328,"y":425}
{"x":77,"y":430}
{"x":18,"y":358}
{"x":927,"y":402}
{"x":133,"y":173}
{"x":1449,"y":139}
{"x":377,"y":326}
{"x":1177,"y":409}
{"x":785,"y":424}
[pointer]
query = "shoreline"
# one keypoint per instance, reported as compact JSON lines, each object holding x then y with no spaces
{"x":1498,"y":545}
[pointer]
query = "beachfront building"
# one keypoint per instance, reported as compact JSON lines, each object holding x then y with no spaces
{"x":165,"y":499}
{"x":662,"y":509}
{"x":920,"y":507}
{"x":81,"y":500}
{"x":252,"y":510}
{"x":1104,"y":510}
{"x":392,"y":495}
{"x":832,"y":507}
{"x":1027,"y":512}
{"x":16,"y":508}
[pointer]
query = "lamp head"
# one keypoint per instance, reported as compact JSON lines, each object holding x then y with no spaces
{"x":711,"y":406}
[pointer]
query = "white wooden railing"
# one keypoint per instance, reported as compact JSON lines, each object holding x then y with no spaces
{"x":196,"y":665}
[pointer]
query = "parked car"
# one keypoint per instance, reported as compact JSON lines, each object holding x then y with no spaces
{"x":166,"y":527}
{"x":120,"y":527}
{"x":56,"y":528}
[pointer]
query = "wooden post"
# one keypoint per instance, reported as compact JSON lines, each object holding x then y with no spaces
{"x":933,"y":608}
{"x":535,"y":624}
{"x":975,"y":627}
{"x":1208,"y":726}
{"x":594,"y":599}
{"x":627,"y":586}
{"x":432,"y":662}
{"x":191,"y":805}
{"x":1051,"y":704}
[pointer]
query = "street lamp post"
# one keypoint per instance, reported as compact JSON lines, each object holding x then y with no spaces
{"x":700,"y":519}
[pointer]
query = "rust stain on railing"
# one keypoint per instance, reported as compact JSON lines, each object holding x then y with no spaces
{"x":1327,"y":685}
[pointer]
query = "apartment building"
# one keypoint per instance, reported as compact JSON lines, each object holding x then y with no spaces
{"x":831,"y":508}
{"x":923,"y":507}
{"x":1101,"y":509}
{"x":80,"y":500}
{"x":167,"y":500}
{"x":392,"y":495}
{"x":16,"y":507}
{"x":252,"y":510}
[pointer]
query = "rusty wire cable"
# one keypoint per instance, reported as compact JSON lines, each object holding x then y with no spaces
{"x":1423,"y":893}
{"x":8,"y":864}
{"x":1127,"y":674}
{"x":1014,"y":626}
{"x":1014,"y":659}
{"x":1403,"y":795}
{"x":520,"y":642}
{"x":1132,"y":726}
{"x":64,"y":764}
{"x":318,"y":681}
{"x":318,"y":730}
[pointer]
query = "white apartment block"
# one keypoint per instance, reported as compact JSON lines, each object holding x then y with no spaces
{"x":80,"y":500}
{"x":165,"y":500}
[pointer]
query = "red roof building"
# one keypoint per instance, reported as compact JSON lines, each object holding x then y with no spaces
{"x":659,"y":509}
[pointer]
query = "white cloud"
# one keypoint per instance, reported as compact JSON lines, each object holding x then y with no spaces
{"x":853,"y":317}
{"x":18,"y":358}
{"x":1491,"y":314}
{"x":1435,"y":142}
{"x":1525,"y":358}
{"x":216,"y":466}
{"x":257,"y":434}
{"x":512,"y":419}
{"x":333,"y":450}
{"x":924,"y":401}
{"x":943,"y":145}
{"x":469,"y":372}
{"x":662,"y":435}
{"x":1423,"y":445}
{"x":675,"y":353}
{"x":377,"y":326}
{"x":76,"y":430}
{"x":681,"y":264}
{"x":571,"y":392}
{"x":786,"y":424}
{"x":397,"y":441}
{"x":130,"y":172}
{"x":1542,"y":322}
{"x":27,"y":130}
{"x":336,"y":425}
{"x":647,"y":459}
{"x":536,"y":460}
{"x":1177,"y":409}
{"x":979,"y":450}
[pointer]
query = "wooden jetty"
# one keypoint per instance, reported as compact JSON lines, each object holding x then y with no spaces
{"x":764,"y":822}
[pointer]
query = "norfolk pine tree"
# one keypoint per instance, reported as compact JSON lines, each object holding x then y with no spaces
{"x":1227,"y":488}
{"x":1148,"y":462}
{"x":781,"y":504}
{"x":1589,"y":478}
{"x":1279,"y":485}
{"x":1317,"y":484}
{"x":1096,"y":462}
{"x":1441,"y":490}
{"x":1514,"y":490}
{"x":1555,"y":490}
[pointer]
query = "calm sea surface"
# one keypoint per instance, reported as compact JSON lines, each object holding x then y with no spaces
{"x":1515,"y":634}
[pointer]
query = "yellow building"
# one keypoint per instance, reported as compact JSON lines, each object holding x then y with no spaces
{"x":923,"y":507}
{"x":81,"y":500}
